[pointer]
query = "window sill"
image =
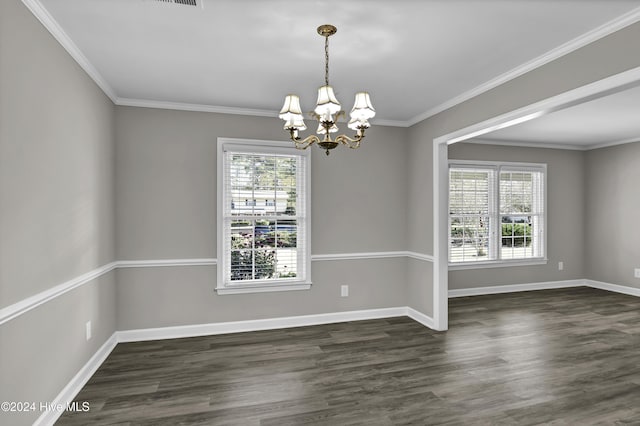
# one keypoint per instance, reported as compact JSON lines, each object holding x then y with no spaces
{"x":496,"y":264}
{"x":245,"y":289}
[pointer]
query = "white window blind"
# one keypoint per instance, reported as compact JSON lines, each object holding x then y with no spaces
{"x":470,"y":208}
{"x":521,"y":214}
{"x":264,"y":216}
{"x":496,"y":212}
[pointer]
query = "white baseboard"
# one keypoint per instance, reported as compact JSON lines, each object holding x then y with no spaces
{"x":513,"y":288}
{"x":631,"y":291}
{"x":256,"y":325}
{"x":423,"y":319}
{"x":72,"y":388}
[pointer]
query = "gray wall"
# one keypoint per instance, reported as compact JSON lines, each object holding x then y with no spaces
{"x":166,"y":209}
{"x":56,"y":215}
{"x":612,"y":209}
{"x":598,"y":60}
{"x":162,"y":297}
{"x":565,"y":216}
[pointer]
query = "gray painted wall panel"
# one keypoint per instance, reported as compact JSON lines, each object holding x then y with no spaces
{"x":163,"y":297}
{"x":613,"y":209}
{"x":419,"y":286}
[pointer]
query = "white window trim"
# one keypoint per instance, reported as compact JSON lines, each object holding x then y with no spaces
{"x":268,"y":147}
{"x":503,"y":263}
{"x":508,"y":263}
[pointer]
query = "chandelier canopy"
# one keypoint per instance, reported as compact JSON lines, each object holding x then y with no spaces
{"x":327,"y":111}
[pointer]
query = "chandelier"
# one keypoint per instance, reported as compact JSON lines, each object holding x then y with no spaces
{"x":328,"y":110}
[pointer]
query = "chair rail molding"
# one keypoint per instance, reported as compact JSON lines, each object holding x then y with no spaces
{"x":25,"y":305}
{"x":15,"y":310}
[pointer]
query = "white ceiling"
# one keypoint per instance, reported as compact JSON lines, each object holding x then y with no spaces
{"x":609,"y":120}
{"x":414,"y":57}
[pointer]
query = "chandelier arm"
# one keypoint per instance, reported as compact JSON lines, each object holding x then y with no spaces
{"x":306,"y":142}
{"x":352,"y":143}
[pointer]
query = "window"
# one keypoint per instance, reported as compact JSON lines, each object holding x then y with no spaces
{"x":263,"y":220}
{"x":496,"y":213}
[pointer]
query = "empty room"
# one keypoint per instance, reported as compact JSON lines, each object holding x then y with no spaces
{"x":280,"y":212}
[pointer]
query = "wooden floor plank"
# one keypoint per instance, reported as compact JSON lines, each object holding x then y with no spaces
{"x":565,"y":357}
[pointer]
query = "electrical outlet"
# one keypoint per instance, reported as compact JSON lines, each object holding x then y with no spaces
{"x":344,"y":291}
{"x":636,"y":273}
{"x":88,"y":330}
{"x":560,"y":266}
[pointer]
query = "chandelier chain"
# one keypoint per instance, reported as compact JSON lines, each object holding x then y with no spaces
{"x":326,"y":60}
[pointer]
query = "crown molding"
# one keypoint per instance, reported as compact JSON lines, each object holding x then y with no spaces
{"x":390,"y":123}
{"x":529,"y":144}
{"x":181,"y":106}
{"x":613,"y":143}
{"x":547,"y":145}
{"x":587,"y":38}
{"x":39,"y":11}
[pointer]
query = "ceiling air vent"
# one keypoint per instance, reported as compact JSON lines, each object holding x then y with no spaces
{"x":182,"y":2}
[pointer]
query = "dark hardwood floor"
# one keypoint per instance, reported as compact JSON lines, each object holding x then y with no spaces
{"x":562,"y":357}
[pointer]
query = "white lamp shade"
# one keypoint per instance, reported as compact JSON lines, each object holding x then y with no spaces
{"x":362,"y":108}
{"x":327,"y":101}
{"x":291,"y":109}
{"x":356,"y":124}
{"x":295,"y":123}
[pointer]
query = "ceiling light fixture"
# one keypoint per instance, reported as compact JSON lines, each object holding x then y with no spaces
{"x":327,"y":111}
